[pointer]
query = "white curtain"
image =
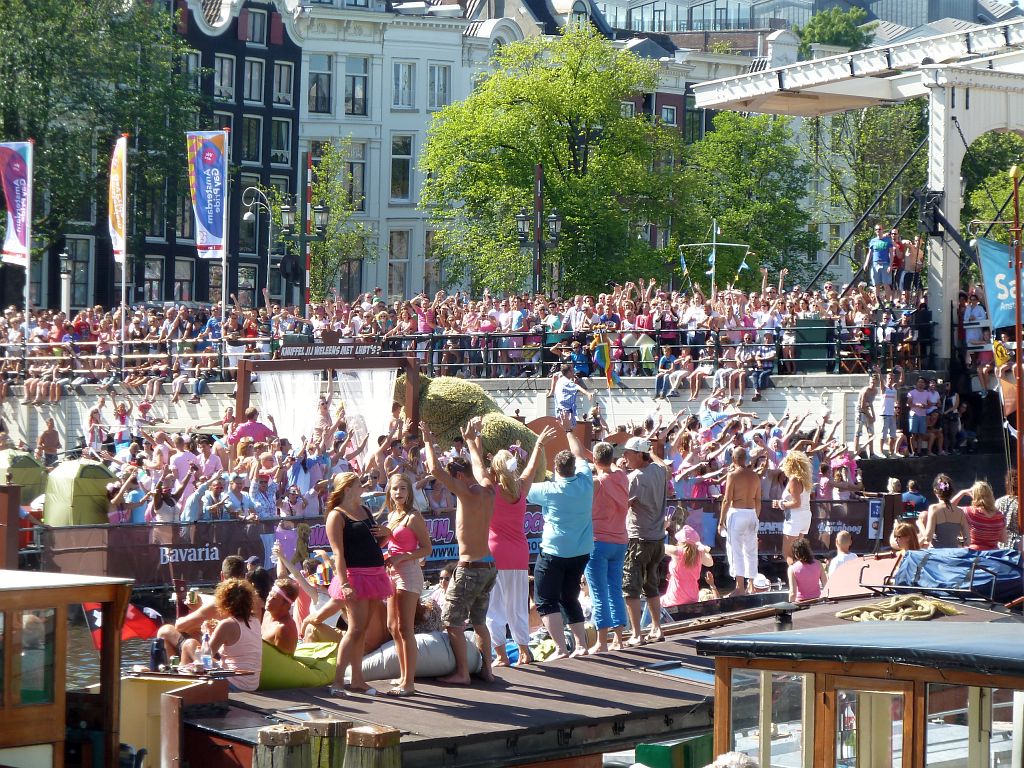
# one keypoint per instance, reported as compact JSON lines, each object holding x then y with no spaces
{"x":291,"y":397}
{"x":367,"y":396}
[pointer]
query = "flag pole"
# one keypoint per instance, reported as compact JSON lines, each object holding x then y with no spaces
{"x":224,"y":255}
{"x":124,"y":258}
{"x":28,"y":243}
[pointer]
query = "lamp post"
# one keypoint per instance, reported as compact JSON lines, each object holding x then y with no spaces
{"x":312,"y":225}
{"x":253,"y":197}
{"x":64,"y":266}
{"x":524,"y":221}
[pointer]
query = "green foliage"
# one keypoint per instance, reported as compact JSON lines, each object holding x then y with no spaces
{"x":747,"y":173}
{"x":855,"y":155}
{"x":986,"y":181}
{"x":984,"y":203}
{"x":75,"y":75}
{"x":557,"y":102}
{"x":837,"y":27}
{"x":721,"y":46}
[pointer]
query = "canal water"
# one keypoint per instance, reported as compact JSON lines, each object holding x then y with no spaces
{"x":83,"y":662}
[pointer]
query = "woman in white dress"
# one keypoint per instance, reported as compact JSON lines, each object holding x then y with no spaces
{"x":796,"y":500}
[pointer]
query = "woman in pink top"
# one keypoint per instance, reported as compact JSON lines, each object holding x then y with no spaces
{"x":807,"y":576}
{"x":684,"y":571}
{"x":510,"y":597}
{"x":236,"y":641}
{"x":604,"y":569}
{"x":408,"y":542}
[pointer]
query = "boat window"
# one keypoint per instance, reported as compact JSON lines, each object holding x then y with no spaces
{"x":34,"y":665}
{"x":970,"y":726}
{"x":772,"y":716}
{"x":869,"y":728}
{"x":1,"y":659}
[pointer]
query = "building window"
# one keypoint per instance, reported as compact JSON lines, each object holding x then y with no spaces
{"x":253,"y":82}
{"x":319,"y":95}
{"x":401,"y":167}
{"x":80,"y":251}
{"x":153,"y":280}
{"x":224,"y":78}
{"x":222,"y":120}
{"x":215,"y":277}
{"x":398,"y":264}
{"x":184,"y":278}
{"x":191,"y":65}
{"x":248,"y":230}
{"x":276,"y":287}
{"x":246,"y":286}
{"x":35,"y":281}
{"x":184,"y":220}
{"x":439,"y":86}
{"x":280,"y":141}
{"x":432,"y":276}
{"x":668,"y":115}
{"x":357,"y":83}
{"x":404,"y":87}
{"x":153,"y":214}
{"x":351,"y":279}
{"x":129,"y":272}
{"x":256,"y":31}
{"x":627,"y":109}
{"x":252,"y":138}
{"x":355,"y":175}
{"x":283,"y":84}
{"x":357,"y":3}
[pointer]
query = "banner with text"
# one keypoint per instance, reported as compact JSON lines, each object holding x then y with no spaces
{"x":16,"y":179}
{"x":1000,"y":287}
{"x":116,"y":198}
{"x":207,"y":178}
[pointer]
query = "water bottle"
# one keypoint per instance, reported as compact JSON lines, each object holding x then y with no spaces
{"x":204,"y":654}
{"x":157,"y":655}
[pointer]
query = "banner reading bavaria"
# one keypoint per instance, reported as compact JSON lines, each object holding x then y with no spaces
{"x":16,"y":178}
{"x":116,"y":198}
{"x":997,"y":272}
{"x":207,"y":177}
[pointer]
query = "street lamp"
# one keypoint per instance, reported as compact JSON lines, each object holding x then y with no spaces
{"x":301,"y":234}
{"x":525,"y":222}
{"x":254,"y":197}
{"x":64,"y":267}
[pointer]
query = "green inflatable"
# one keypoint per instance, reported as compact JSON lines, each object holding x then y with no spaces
{"x":312,"y":666}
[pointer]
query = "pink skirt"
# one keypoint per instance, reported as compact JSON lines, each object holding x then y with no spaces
{"x":366,"y":583}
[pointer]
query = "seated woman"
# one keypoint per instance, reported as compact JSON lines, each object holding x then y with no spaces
{"x":904,"y":539}
{"x":235,"y":641}
{"x":986,"y":523}
{"x":688,"y":557}
{"x":807,"y":577}
{"x":943,"y":525}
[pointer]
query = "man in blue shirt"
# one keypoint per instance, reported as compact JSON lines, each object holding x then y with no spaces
{"x":566,"y":543}
{"x":879,"y":260}
{"x":914,"y":502}
{"x":666,"y":364}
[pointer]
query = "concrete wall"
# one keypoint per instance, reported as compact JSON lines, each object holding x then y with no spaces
{"x":812,"y":394}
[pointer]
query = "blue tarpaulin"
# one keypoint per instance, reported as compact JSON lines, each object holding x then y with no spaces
{"x":938,"y":570}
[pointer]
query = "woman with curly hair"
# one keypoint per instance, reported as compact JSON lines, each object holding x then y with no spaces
{"x":943,"y":525}
{"x":360,"y":576}
{"x":408,"y":541}
{"x":236,"y":640}
{"x":796,"y":500}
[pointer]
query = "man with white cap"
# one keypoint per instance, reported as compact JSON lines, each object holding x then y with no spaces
{"x":645,"y":525}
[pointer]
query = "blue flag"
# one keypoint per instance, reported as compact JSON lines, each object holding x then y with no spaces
{"x":997,"y":272}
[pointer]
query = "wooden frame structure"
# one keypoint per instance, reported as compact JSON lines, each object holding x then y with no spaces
{"x":30,"y":724}
{"x":408,"y":363}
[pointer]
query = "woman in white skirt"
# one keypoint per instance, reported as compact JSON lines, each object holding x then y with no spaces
{"x":796,"y":500}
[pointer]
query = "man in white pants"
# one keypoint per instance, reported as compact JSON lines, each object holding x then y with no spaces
{"x":741,"y":505}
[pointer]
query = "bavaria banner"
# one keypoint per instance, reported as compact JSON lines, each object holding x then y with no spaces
{"x":16,"y":178}
{"x":116,"y":198}
{"x":997,"y":272}
{"x":208,"y":177}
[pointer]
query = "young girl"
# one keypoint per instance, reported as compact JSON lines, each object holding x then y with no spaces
{"x":408,"y":542}
{"x":688,"y":557}
{"x":807,"y":576}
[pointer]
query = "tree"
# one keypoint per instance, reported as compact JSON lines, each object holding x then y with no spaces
{"x":346,"y":239}
{"x":747,"y":174}
{"x":75,"y":75}
{"x":837,"y":27}
{"x":984,"y":170}
{"x":557,"y":102}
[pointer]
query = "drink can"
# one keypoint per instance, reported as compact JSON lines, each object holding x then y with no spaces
{"x":193,"y":596}
{"x":157,"y":655}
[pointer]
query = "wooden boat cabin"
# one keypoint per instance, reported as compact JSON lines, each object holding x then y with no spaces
{"x":874,"y":695}
{"x":41,"y":722}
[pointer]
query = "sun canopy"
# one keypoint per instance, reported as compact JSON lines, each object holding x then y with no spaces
{"x":991,"y":648}
{"x":25,"y":471}
{"x":76,"y":494}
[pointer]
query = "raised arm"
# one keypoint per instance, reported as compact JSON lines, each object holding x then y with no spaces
{"x":530,"y":470}
{"x":471,"y":436}
{"x":456,"y":486}
{"x":575,"y":446}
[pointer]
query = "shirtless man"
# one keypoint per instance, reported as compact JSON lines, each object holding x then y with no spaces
{"x":866,"y":418}
{"x":191,"y":625}
{"x":741,"y":504}
{"x":278,"y":626}
{"x":469,"y":591}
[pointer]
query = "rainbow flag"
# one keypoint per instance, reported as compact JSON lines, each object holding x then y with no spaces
{"x":602,"y":350}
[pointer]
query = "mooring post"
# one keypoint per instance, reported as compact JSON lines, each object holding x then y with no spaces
{"x":373,"y":746}
{"x":282,"y":746}
{"x":327,"y":742}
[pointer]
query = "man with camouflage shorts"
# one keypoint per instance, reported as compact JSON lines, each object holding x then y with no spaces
{"x":469,"y":590}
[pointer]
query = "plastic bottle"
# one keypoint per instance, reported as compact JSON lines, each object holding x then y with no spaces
{"x":204,"y":654}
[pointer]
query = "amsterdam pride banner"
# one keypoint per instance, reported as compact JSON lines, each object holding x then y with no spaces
{"x":117,"y":197}
{"x":16,"y":178}
{"x":997,"y":272}
{"x":207,"y":177}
